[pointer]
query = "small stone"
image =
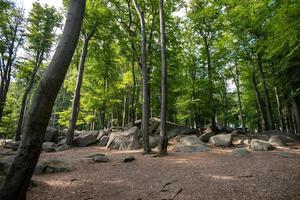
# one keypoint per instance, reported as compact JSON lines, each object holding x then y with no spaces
{"x":100,"y":158}
{"x":128,"y":159}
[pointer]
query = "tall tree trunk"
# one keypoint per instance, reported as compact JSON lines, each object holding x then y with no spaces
{"x":237,"y":84}
{"x":133,"y":108}
{"x":21,"y":170}
{"x":296,"y":114}
{"x":279,"y":110}
{"x":164,"y":97}
{"x":76,"y":97}
{"x":258,"y":102}
{"x":211,"y":86}
{"x":38,"y":62}
{"x":265,"y":95}
{"x":146,"y":94}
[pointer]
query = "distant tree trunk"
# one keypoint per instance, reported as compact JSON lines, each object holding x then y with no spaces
{"x":145,"y":75}
{"x":38,"y":62}
{"x":164,"y":99}
{"x":211,"y":85}
{"x":76,"y":97}
{"x":258,"y":102}
{"x":279,"y":109}
{"x":237,"y":84}
{"x":6,"y":68}
{"x":22,"y":168}
{"x":296,"y":114}
{"x":133,"y":108}
{"x":265,"y":95}
{"x":124,"y":111}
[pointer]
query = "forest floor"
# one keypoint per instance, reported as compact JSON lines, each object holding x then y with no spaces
{"x":216,"y":174}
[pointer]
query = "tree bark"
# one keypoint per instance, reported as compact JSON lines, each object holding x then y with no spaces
{"x":296,"y":114}
{"x":267,"y":105}
{"x":76,"y":97}
{"x":258,"y":102}
{"x":22,"y":168}
{"x":211,"y":85}
{"x":237,"y":84}
{"x":279,"y":110}
{"x":164,"y":98}
{"x":146,"y":94}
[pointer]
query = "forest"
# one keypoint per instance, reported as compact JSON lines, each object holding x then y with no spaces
{"x":165,"y":77}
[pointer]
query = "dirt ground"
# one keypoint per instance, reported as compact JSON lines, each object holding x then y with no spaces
{"x":213,"y":175}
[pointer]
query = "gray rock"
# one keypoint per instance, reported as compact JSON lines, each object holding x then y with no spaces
{"x":49,"y":147}
{"x":221,"y":140}
{"x":51,"y":135}
{"x":51,"y":166}
{"x":260,"y":145}
{"x":100,"y":158}
{"x":5,"y":163}
{"x":85,"y":139}
{"x":240,"y":152}
{"x":154,"y":141}
{"x":207,"y":135}
{"x":124,"y":140}
{"x":277,"y":140}
{"x":100,"y":135}
{"x":128,"y":159}
{"x":63,"y":147}
{"x":190,"y":144}
{"x":103,"y":141}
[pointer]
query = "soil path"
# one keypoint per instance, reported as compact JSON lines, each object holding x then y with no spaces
{"x":216,"y":174}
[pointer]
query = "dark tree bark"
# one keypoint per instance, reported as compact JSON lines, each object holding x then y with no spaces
{"x":76,"y":97}
{"x":38,"y":62}
{"x":295,"y":110}
{"x":258,"y":102}
{"x":164,"y":103}
{"x":211,"y":85}
{"x":22,"y":168}
{"x":265,"y":95}
{"x":145,"y":75}
{"x":279,"y":110}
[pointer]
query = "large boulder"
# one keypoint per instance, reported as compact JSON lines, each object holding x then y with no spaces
{"x":85,"y":139}
{"x":277,"y":140}
{"x":103,"y":141}
{"x":190,"y":144}
{"x":124,"y":140}
{"x":51,"y":135}
{"x":221,"y":140}
{"x":154,"y":141}
{"x":49,"y":147}
{"x":260,"y":145}
{"x":52,"y":165}
{"x":207,"y":135}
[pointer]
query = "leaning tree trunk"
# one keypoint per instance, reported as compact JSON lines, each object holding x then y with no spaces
{"x":163,"y":112}
{"x":146,"y":94}
{"x":22,"y":168}
{"x":38,"y":63}
{"x":76,"y":97}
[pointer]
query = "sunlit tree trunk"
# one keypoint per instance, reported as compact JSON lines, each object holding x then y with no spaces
{"x":164,"y":103}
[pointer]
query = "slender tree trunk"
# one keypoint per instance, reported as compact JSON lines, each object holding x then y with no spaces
{"x":124,"y":111}
{"x":38,"y":62}
{"x":296,"y":114}
{"x":279,"y":109}
{"x":237,"y":84}
{"x":133,"y":108}
{"x":146,"y":94}
{"x":258,"y":102}
{"x":211,"y":86}
{"x":265,"y":95}
{"x":164,"y":97}
{"x":76,"y":97}
{"x":21,"y":170}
